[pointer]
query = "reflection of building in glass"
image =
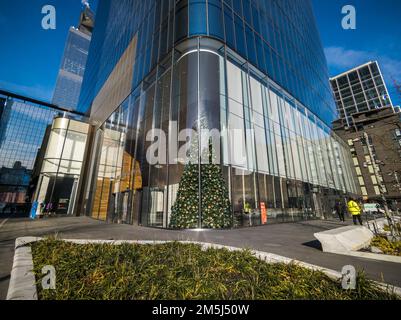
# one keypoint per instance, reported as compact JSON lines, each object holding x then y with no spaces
{"x":23,"y":126}
{"x":69,"y":81}
{"x":360,"y":89}
{"x":14,"y":183}
{"x":254,"y":66}
{"x":22,"y":129}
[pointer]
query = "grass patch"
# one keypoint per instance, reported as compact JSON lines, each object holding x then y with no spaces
{"x":181,"y":271}
{"x":388,"y":247}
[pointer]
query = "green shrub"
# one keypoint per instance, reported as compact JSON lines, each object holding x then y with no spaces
{"x":397,"y":227}
{"x":181,"y":271}
{"x":388,"y":247}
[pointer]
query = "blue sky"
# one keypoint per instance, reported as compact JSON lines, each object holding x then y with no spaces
{"x":30,"y":56}
{"x":377,"y":37}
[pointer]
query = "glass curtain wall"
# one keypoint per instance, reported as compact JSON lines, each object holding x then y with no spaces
{"x":61,"y":168}
{"x":279,"y":37}
{"x":276,"y":156}
{"x":22,"y":130}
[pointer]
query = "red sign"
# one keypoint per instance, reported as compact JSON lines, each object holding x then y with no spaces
{"x":263,"y":211}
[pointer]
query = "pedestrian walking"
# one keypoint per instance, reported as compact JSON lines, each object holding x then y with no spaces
{"x":49,"y":208}
{"x":339,"y":207}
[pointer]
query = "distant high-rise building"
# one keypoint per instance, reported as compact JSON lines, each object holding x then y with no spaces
{"x":69,"y":81}
{"x":360,"y":89}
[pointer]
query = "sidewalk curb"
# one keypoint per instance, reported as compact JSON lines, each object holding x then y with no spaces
{"x":370,"y":255}
{"x":23,"y":284}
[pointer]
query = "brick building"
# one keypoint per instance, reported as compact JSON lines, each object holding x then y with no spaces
{"x":374,"y":139}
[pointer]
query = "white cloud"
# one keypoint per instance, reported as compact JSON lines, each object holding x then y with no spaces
{"x":343,"y":59}
{"x":340,"y":57}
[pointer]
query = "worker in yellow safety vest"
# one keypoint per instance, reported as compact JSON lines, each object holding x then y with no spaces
{"x":247,"y":208}
{"x":355,"y":210}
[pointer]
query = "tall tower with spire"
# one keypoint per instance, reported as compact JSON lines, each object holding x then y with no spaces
{"x":73,"y":63}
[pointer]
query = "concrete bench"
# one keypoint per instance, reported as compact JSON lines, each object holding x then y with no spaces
{"x":344,"y":239}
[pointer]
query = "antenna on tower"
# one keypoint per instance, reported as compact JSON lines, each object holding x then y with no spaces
{"x":85,"y":3}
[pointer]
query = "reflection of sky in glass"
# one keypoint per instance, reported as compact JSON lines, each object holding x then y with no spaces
{"x":22,"y":129}
{"x":278,"y":37}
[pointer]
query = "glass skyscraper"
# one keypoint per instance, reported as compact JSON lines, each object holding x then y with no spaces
{"x":253,"y":70}
{"x":69,"y":80}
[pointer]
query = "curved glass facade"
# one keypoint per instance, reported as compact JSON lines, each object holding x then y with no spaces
{"x":194,"y":68}
{"x":61,"y":165}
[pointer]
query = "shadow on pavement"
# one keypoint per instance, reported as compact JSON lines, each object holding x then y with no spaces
{"x":315,"y":244}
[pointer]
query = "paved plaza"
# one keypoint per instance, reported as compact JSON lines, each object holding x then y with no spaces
{"x":292,"y":240}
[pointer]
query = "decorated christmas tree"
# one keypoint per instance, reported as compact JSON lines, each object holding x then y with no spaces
{"x":215,"y":202}
{"x":184,"y":213}
{"x":216,"y":206}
